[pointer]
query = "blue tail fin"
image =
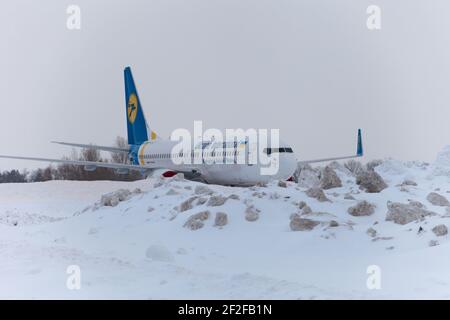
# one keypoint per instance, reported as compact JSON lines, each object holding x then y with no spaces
{"x":359,"y":150}
{"x":136,"y":125}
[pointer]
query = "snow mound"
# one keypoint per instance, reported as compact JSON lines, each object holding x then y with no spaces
{"x":362,"y":208}
{"x":396,"y":172}
{"x":195,"y":221}
{"x":443,"y":157}
{"x":329,"y":179}
{"x":390,"y":167}
{"x":159,"y":253}
{"x":307,"y":176}
{"x":441,"y":166}
{"x":371,"y":182}
{"x":438,"y":200}
{"x":18,"y":219}
{"x":402,"y":213}
{"x":221,"y":219}
{"x":183,"y":239}
{"x":302,"y":224}
{"x":440,"y":230}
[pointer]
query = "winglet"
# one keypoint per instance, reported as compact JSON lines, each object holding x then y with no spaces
{"x":359,"y":150}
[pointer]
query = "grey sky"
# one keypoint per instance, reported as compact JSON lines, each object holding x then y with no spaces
{"x":310,"y":68}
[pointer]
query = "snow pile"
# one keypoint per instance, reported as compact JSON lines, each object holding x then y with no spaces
{"x":159,"y":253}
{"x":437,"y":199}
{"x":440,"y":230}
{"x":195,"y":221}
{"x":370,"y":181}
{"x":317,"y":193}
{"x":14,"y":218}
{"x":405,"y":213}
{"x":251,"y":213}
{"x":443,"y":157}
{"x":302,"y":224}
{"x":362,"y":208}
{"x":329,"y":179}
{"x":441,"y":166}
{"x":307,"y":176}
{"x":173,"y":238}
{"x":221,"y":219}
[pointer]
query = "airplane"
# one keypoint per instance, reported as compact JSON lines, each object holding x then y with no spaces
{"x":148,"y":152}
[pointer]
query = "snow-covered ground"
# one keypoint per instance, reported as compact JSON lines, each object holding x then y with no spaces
{"x":141,"y":248}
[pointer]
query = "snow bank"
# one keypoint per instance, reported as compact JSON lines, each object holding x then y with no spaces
{"x":184,"y":239}
{"x":441,"y":166}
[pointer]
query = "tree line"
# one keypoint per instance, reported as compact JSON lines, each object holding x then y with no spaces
{"x":73,"y":172}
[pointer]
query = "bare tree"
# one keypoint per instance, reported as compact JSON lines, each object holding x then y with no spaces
{"x":120,"y":157}
{"x":90,"y":154}
{"x":65,"y":171}
{"x":13,"y":176}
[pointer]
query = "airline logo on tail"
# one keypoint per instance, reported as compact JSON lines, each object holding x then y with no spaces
{"x":132,"y":108}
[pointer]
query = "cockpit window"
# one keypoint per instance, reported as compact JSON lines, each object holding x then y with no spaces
{"x":280,"y":150}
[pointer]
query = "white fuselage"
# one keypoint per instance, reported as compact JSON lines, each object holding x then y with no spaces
{"x":229,"y":171}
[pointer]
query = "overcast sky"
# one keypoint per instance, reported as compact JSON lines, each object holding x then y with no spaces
{"x":310,"y":68}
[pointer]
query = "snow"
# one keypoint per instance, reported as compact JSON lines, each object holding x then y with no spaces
{"x":139,"y":248}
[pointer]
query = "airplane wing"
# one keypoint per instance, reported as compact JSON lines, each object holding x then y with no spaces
{"x":328,"y":159}
{"x":359,"y":153}
{"x":93,"y":146}
{"x":91,"y":165}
